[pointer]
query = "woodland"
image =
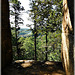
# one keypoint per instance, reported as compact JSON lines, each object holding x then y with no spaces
{"x":44,"y":41}
{"x":47,"y":47}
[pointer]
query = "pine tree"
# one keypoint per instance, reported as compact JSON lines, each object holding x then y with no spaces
{"x":18,"y":21}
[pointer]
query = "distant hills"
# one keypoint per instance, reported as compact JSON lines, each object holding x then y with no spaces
{"x":24,"y":32}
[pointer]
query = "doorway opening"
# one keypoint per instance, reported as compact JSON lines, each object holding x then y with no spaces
{"x":41,"y":41}
{"x":39,"y":37}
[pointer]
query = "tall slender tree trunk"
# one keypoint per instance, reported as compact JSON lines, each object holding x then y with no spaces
{"x":67,"y":51}
{"x":16,"y":36}
{"x":35,"y":39}
{"x":46,"y":45}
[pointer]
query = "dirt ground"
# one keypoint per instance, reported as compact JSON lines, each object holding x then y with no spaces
{"x":31,"y":67}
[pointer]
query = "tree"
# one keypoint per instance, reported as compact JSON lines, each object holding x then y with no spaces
{"x":17,"y":12}
{"x":34,"y":9}
{"x":13,"y":1}
{"x":67,"y":50}
{"x":45,"y":14}
{"x":28,"y":47}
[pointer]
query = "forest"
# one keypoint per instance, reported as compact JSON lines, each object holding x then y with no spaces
{"x":46,"y":47}
{"x":43,"y":42}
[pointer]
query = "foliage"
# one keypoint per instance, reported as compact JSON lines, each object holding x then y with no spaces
{"x":18,"y":20}
{"x":46,"y":15}
{"x":13,"y":1}
{"x":28,"y":47}
{"x":13,"y":37}
{"x":54,"y":47}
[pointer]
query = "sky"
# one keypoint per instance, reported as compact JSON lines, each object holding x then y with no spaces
{"x":25,"y":4}
{"x":24,"y":16}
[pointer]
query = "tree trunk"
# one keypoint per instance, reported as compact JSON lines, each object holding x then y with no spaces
{"x":18,"y":51}
{"x":46,"y":45}
{"x":6,"y":47}
{"x":35,"y":39}
{"x":68,"y":37}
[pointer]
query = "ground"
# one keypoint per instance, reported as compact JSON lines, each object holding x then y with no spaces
{"x":31,"y":67}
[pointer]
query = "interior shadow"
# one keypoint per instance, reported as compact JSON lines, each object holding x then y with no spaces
{"x":31,"y":67}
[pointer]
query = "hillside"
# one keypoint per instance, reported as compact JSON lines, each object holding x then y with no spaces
{"x":24,"y":32}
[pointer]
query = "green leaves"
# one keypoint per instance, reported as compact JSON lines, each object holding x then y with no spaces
{"x":16,"y":12}
{"x":47,"y":9}
{"x":46,"y":15}
{"x":28,"y":47}
{"x":54,"y":47}
{"x":14,"y":1}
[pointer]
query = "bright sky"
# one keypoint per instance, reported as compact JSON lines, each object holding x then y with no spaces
{"x":24,"y":16}
{"x":25,"y":4}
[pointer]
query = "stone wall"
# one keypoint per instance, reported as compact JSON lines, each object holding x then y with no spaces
{"x":68,"y":37}
{"x":6,"y":51}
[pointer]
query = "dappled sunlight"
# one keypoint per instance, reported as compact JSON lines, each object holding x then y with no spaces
{"x":19,"y":61}
{"x":35,"y":48}
{"x":57,"y":74}
{"x":39,"y":54}
{"x":49,"y":63}
{"x":31,"y":67}
{"x":24,"y":65}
